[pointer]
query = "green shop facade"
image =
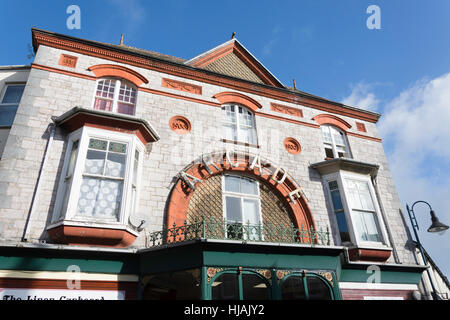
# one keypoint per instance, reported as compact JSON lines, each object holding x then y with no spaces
{"x":200,"y":269}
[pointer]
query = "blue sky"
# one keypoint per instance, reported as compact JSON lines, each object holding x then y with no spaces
{"x":401,"y":70}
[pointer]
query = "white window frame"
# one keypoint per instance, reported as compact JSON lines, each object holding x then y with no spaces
{"x":237,"y":124}
{"x":334,"y":144}
{"x":5,"y":87}
{"x":83,"y":135}
{"x":118,"y":82}
{"x":241,"y":196}
{"x":341,"y":177}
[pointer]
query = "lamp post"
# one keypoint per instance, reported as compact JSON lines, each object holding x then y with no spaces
{"x":436,"y":226}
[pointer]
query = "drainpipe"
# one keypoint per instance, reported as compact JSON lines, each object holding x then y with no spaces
{"x":34,"y":199}
{"x":388,"y":230}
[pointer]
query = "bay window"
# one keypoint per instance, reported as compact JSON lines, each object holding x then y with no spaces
{"x":238,"y":124}
{"x":115,"y":95}
{"x":100,"y":181}
{"x":356,"y":210}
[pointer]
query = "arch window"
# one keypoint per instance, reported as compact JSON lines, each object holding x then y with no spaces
{"x":245,"y":285}
{"x":335,"y":142}
{"x":305,"y":287}
{"x":238,"y":124}
{"x":115,"y":95}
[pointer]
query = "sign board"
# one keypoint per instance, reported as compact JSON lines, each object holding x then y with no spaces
{"x":59,"y":294}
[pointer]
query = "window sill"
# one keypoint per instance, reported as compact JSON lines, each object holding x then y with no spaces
{"x":92,"y":234}
{"x":372,"y":253}
{"x":240,"y":143}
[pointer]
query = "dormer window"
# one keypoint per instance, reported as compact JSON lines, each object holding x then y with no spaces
{"x":335,"y":142}
{"x":115,"y":95}
{"x":238,"y":124}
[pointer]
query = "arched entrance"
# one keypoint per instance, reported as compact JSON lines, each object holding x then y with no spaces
{"x":274,"y":178}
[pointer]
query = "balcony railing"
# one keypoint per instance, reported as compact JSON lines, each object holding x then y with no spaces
{"x":212,"y":228}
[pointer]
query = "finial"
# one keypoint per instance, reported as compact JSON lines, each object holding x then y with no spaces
{"x":295,"y":87}
{"x":232,"y":36}
{"x":121,"y":39}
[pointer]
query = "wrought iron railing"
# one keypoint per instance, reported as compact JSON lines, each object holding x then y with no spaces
{"x":212,"y":228}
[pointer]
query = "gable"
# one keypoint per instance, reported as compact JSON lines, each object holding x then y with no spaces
{"x":232,"y":59}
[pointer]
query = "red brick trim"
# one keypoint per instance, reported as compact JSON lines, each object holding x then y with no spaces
{"x":360,"y":126}
{"x":286,"y":110}
{"x":182,"y":86}
{"x":292,"y":146}
{"x":196,"y":100}
{"x":68,"y":61}
{"x":181,"y":194}
{"x":180,"y":125}
{"x":333,"y":120}
{"x":111,"y":70}
{"x":55,"y":41}
{"x":235,"y":97}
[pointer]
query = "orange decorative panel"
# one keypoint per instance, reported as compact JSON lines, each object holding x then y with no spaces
{"x":68,"y":61}
{"x":292,"y":146}
{"x":180,"y":125}
{"x":182,"y":86}
{"x":361,"y":127}
{"x":286,"y":110}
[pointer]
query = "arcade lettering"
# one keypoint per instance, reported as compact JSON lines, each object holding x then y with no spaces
{"x":278,"y":176}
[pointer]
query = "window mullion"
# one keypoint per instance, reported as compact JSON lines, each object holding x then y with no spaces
{"x":116,"y":94}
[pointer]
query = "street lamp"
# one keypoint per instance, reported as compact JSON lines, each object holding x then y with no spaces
{"x":436,"y":227}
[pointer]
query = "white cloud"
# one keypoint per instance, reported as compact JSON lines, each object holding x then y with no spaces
{"x":361,"y":97}
{"x":415,"y":128}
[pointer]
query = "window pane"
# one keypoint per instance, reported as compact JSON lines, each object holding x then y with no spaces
{"x":343,"y":226}
{"x":117,"y":147}
{"x":127,"y":93}
{"x":254,"y":287}
{"x":97,"y":144}
{"x":225,"y":287}
{"x":247,"y":135}
{"x":13,"y":94}
{"x":229,"y":132}
{"x":232,"y":184}
{"x":317,"y":289}
{"x":7,"y":114}
{"x":251,"y":211}
{"x":229,"y":114}
{"x":105,"y":88}
{"x":234,"y":212}
{"x":359,"y":195}
{"x":178,"y":285}
{"x":367,"y":226}
{"x":337,"y":203}
{"x":293,"y":289}
{"x":115,"y":165}
{"x":101,"y":104}
{"x":329,"y":152}
{"x":249,"y":186}
{"x":125,"y":108}
{"x":99,"y":198}
{"x":326,"y":135}
{"x":95,"y":161}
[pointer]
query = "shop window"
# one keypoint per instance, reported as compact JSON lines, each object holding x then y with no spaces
{"x":335,"y":142}
{"x":9,"y":103}
{"x":115,"y":95}
{"x":238,"y":124}
{"x":178,"y":285}
{"x":305,"y":287}
{"x":245,"y":285}
{"x":242,"y":207}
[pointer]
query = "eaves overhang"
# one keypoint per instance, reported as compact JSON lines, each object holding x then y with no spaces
{"x":78,"y":117}
{"x":334,"y":165}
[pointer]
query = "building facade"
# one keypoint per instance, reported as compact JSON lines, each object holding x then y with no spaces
{"x":129,"y":174}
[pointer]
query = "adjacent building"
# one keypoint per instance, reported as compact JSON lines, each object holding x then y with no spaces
{"x":130,"y":174}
